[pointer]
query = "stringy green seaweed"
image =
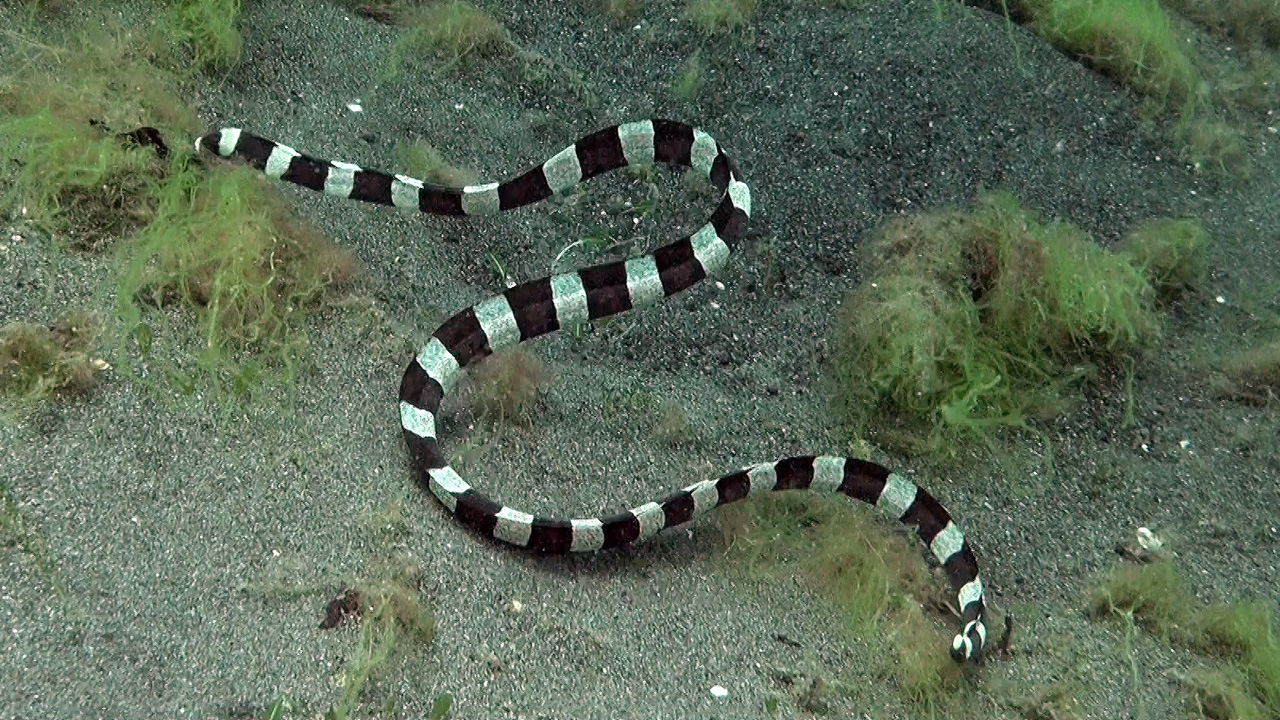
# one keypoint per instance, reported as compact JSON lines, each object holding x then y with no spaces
{"x":977,"y":320}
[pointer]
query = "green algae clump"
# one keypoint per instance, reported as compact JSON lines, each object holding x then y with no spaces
{"x":978,"y":320}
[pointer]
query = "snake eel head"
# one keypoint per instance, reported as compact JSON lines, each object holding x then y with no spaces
{"x":967,"y":646}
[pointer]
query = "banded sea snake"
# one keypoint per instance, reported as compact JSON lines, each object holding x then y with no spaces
{"x":542,"y":306}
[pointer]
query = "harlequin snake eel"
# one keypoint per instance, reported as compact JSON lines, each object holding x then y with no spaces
{"x":540,"y":307}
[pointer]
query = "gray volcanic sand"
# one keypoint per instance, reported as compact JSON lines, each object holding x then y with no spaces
{"x":194,"y":543}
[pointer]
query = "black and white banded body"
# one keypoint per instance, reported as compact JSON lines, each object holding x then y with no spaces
{"x":542,"y":306}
